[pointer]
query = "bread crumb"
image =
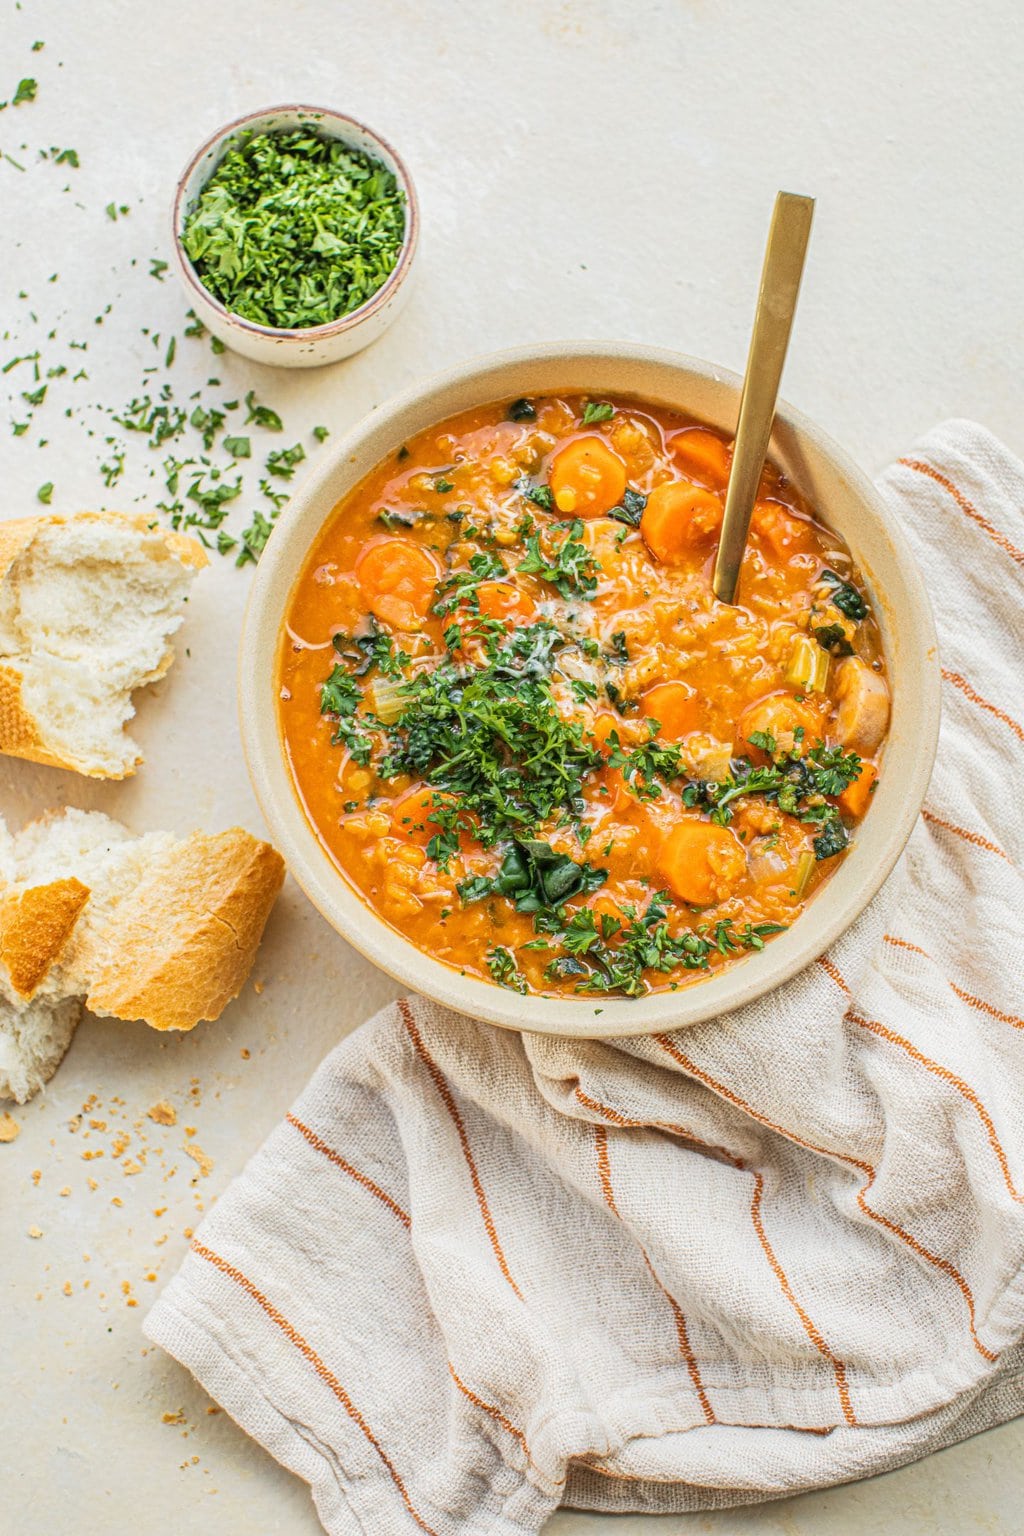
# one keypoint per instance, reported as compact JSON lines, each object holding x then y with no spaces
{"x":35,"y":1231}
{"x":37,"y":1174}
{"x":213,"y":1408}
{"x":116,"y":1200}
{"x":131,"y":1167}
{"x":197,"y":1155}
{"x":151,"y":1276}
{"x":98,"y":1125}
{"x":94,"y":1152}
{"x":163,"y":1113}
{"x":9,"y":1127}
{"x":257,"y":987}
{"x":173,"y":1418}
{"x":92,"y":1183}
{"x":190,"y":1130}
{"x":67,"y":1287}
{"x":66,"y":1190}
{"x":244,"y":1053}
{"x":161,"y":1210}
{"x":187,"y":1232}
{"x":119,"y":1143}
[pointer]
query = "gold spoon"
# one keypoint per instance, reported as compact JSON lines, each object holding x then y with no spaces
{"x":776,"y":305}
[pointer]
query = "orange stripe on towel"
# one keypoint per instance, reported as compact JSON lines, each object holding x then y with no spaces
{"x":968,"y":837}
{"x":966,"y":997}
{"x":869,"y":1172}
{"x":437,"y":1077}
{"x":326,"y":1375}
{"x":604,"y":1172}
{"x":947,"y":1076}
{"x":971,"y":693}
{"x":967,"y":508}
{"x":353,"y":1173}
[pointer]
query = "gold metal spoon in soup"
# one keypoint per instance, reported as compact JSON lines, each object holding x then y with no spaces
{"x":776,"y":305}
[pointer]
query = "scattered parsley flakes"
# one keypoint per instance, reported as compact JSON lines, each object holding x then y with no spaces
{"x":321,"y":434}
{"x":44,"y":493}
{"x":238,"y":447}
{"x":262,"y":415}
{"x":282,"y":461}
{"x":26,"y":91}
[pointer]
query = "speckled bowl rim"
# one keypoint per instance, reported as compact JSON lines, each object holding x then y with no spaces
{"x":909,"y":639}
{"x":356,"y":317}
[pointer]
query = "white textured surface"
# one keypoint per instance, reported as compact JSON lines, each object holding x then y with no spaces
{"x":585,"y":169}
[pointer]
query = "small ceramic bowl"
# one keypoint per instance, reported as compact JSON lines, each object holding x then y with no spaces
{"x":316,"y":345}
{"x":845,"y":499}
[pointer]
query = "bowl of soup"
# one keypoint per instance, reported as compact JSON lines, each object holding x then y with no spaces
{"x":516,"y":751}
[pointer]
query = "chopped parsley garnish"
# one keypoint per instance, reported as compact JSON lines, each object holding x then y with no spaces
{"x":340,"y":697}
{"x":571,"y":567}
{"x":493,"y":736}
{"x":460,"y":589}
{"x":293,"y":230}
{"x":802,"y":786}
{"x":594,"y":412}
{"x":503,"y":969}
{"x":606,"y":955}
{"x":371,"y":648}
{"x":26,"y":91}
{"x":45,"y":493}
{"x":541,"y":495}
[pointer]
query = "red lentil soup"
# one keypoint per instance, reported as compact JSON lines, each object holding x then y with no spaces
{"x":528,"y":734}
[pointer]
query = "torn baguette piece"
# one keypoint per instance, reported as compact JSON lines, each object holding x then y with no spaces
{"x":154,"y":928}
{"x":87,"y":607}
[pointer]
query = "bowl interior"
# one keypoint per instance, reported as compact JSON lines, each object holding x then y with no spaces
{"x":328,"y":124}
{"x":843,"y":497}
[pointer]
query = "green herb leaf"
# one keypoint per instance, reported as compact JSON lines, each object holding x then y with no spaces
{"x":594,"y":412}
{"x":26,"y":91}
{"x":44,"y":493}
{"x":262,"y":415}
{"x":238,"y":447}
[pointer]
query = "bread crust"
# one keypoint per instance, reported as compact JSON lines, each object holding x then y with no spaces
{"x":35,"y":926}
{"x":187,"y":936}
{"x":19,"y":731}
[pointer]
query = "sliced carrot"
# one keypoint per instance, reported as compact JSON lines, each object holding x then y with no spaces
{"x":701,"y":863}
{"x":702,"y":455}
{"x":679,"y":519}
{"x":397,"y":580}
{"x":675,"y":706}
{"x":780,"y":529}
{"x":780,"y":716}
{"x":587,"y":479}
{"x":856,"y":797}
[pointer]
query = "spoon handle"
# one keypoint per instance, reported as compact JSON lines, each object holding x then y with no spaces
{"x":776,"y":305}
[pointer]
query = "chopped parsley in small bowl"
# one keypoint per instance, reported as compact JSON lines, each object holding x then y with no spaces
{"x":294,"y":231}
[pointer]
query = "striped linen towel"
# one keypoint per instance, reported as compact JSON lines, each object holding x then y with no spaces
{"x":474,"y":1275}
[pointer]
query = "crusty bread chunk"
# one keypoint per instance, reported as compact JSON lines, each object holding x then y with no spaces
{"x":153,"y":928}
{"x":87,"y":605}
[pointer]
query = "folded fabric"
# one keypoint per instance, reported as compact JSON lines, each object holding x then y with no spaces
{"x":474,"y":1275}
